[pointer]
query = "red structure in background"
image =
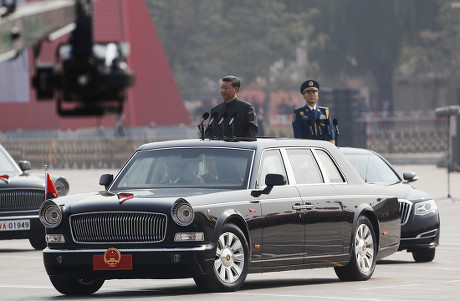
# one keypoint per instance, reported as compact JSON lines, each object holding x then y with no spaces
{"x":153,"y":100}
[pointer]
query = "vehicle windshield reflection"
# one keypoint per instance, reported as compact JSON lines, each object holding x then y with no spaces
{"x":186,"y":167}
{"x":7,"y":165}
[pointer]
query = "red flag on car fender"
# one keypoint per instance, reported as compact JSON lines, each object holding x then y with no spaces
{"x":50,"y":189}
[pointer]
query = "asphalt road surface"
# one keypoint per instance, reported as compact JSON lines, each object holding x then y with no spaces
{"x":398,"y":277}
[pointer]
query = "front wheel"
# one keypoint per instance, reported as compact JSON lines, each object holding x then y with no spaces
{"x":230,"y":264}
{"x":364,"y":251}
{"x":38,"y":240}
{"x":76,"y":286}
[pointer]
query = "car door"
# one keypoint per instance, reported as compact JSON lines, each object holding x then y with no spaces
{"x":283,"y":229}
{"x":322,"y":208}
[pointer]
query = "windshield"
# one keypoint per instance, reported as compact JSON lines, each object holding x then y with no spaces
{"x":7,"y":165}
{"x":373,"y":169}
{"x":186,"y":167}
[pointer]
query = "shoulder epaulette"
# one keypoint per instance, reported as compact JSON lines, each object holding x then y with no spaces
{"x":325,"y":109}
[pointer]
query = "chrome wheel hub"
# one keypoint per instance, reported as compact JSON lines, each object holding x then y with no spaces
{"x":229,"y":262}
{"x":364,"y":248}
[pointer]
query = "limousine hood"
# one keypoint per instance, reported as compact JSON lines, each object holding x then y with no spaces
{"x":138,"y":200}
{"x":21,"y":181}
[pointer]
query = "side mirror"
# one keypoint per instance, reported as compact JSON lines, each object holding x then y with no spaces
{"x":410,"y":176}
{"x":106,"y":180}
{"x":271,"y":180}
{"x":24,"y":165}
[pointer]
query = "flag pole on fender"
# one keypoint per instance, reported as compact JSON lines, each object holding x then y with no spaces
{"x":50,"y":189}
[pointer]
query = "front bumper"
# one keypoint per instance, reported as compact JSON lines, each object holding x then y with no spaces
{"x":36,"y":227}
{"x":146,"y":263}
{"x":420,"y":232}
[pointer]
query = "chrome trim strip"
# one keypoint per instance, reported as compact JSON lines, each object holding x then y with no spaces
{"x":419,"y":236}
{"x":194,"y":249}
{"x":20,"y":211}
{"x":305,"y":257}
{"x":18,"y":217}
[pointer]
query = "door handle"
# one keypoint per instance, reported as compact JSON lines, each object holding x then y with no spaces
{"x":297,"y":207}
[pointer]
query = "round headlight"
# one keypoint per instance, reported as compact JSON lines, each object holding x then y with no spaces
{"x":50,"y":214}
{"x":182,"y":213}
{"x":62,"y":186}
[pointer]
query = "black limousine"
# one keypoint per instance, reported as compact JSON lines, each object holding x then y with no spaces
{"x":217,"y":210}
{"x":21,"y":194}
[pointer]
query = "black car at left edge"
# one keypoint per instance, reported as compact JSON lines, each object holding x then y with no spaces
{"x":21,"y":195}
{"x":217,"y":210}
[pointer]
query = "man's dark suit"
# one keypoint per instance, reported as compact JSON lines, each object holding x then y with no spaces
{"x":245,"y":124}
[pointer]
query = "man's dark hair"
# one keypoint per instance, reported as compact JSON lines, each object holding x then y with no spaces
{"x":232,"y":79}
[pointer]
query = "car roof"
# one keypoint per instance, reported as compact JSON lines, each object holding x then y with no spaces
{"x":244,"y":144}
{"x":355,"y":150}
{"x":259,"y":144}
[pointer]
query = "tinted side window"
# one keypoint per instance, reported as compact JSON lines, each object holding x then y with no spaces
{"x":331,"y":169}
{"x":271,"y":163}
{"x":306,"y":170}
{"x":373,"y":169}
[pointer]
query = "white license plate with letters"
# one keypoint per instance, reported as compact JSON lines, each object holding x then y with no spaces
{"x":15,"y":225}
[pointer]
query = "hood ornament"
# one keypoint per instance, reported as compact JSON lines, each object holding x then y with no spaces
{"x":124,"y":196}
{"x":5,"y":178}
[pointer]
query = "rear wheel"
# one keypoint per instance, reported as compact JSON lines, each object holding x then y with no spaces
{"x":364,"y":251}
{"x":424,"y":254}
{"x":230,"y":264}
{"x":76,"y":286}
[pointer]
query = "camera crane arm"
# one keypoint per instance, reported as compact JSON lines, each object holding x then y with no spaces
{"x":25,"y":25}
{"x":88,"y":79}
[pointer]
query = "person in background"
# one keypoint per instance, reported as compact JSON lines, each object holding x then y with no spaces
{"x":312,"y":121}
{"x":245,"y":119}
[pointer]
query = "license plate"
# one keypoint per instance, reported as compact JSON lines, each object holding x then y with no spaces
{"x":15,"y":225}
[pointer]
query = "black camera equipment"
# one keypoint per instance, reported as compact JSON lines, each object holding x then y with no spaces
{"x":88,"y":79}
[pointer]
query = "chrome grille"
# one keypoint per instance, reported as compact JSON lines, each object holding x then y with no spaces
{"x":21,"y":199}
{"x":404,"y":209}
{"x":118,"y":227}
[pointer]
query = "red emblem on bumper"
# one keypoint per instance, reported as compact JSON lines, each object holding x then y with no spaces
{"x":112,"y":260}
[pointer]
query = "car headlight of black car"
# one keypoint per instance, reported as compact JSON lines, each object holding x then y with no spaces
{"x":62,"y":186}
{"x":425,"y":207}
{"x":50,"y":214}
{"x":182,"y":212}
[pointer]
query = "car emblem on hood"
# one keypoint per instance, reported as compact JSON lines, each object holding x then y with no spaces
{"x":124,"y":196}
{"x":4,"y":178}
